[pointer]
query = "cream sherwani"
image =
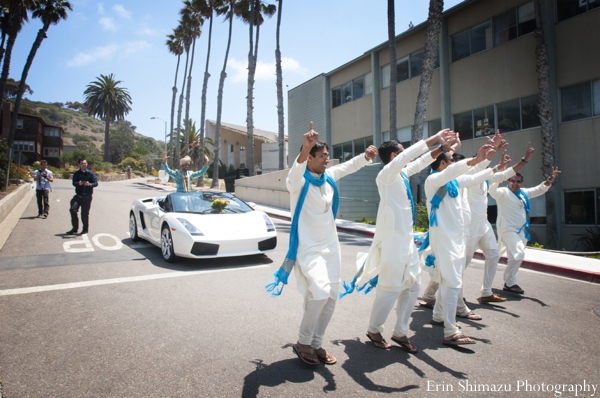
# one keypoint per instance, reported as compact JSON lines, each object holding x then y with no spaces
{"x":481,"y":234}
{"x":447,"y":240}
{"x":511,"y":218}
{"x":393,"y":254}
{"x":318,"y":261}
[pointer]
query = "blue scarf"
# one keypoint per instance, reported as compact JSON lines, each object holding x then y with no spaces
{"x":282,"y":274}
{"x":451,"y":187}
{"x":527,"y":205}
{"x":409,"y":194}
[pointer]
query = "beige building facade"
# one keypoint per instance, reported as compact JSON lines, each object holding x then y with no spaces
{"x":486,"y":80}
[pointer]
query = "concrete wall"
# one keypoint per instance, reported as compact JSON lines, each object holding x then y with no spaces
{"x":10,"y":201}
{"x":306,"y":103}
{"x":270,"y":157}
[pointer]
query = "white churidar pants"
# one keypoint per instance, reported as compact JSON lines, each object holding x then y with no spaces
{"x":515,"y":253}
{"x":317,"y":314}
{"x":383,"y":304}
{"x":483,"y":238}
{"x":445,"y":309}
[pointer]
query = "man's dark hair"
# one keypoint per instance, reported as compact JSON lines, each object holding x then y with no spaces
{"x":80,"y":160}
{"x":317,"y":147}
{"x":456,"y":157}
{"x":520,"y":175}
{"x":436,"y":164}
{"x":386,"y":149}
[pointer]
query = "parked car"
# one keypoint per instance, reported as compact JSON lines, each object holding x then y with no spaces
{"x":203,"y":224}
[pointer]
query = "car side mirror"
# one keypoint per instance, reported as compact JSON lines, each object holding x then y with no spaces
{"x":251,"y":204}
{"x":152,"y":208}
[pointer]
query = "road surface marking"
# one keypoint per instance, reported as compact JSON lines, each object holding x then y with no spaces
{"x":73,"y":285}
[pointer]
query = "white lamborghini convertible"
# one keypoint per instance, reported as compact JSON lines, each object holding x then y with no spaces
{"x":202,"y":224}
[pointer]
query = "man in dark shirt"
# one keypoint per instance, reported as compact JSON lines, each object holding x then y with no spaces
{"x":84,"y":181}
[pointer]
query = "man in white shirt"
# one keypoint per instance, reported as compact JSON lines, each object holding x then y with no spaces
{"x":43,"y":177}
{"x":513,"y":222}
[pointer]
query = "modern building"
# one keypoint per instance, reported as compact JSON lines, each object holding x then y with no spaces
{"x":234,"y":141}
{"x":486,"y":80}
{"x":34,"y":138}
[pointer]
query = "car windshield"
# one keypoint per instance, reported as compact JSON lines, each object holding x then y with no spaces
{"x":207,"y":203}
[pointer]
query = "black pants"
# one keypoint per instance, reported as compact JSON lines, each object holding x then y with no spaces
{"x":85,"y":202}
{"x":42,"y":201}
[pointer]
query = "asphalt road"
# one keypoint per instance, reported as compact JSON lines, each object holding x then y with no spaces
{"x":100,"y":316}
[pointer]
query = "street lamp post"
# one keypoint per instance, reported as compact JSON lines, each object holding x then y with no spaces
{"x":154,"y":117}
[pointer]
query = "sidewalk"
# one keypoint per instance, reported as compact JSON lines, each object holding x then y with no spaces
{"x":556,"y":263}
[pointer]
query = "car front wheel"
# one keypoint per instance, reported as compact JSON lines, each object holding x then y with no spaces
{"x":133,"y":234}
{"x":166,"y":244}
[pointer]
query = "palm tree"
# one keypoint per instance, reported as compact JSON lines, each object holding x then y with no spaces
{"x":547,"y":125}
{"x":193,"y":138}
{"x":391,"y":19}
{"x":251,"y":12}
{"x":209,"y":8}
{"x":229,"y":12}
{"x":175,"y":45}
{"x":192,"y":20}
{"x":13,"y":18}
{"x":104,"y":99}
{"x":434,"y":27}
{"x":279,"y":84}
{"x":50,"y":12}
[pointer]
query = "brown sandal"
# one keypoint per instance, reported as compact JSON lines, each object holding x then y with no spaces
{"x":325,"y":357}
{"x":299,"y":350}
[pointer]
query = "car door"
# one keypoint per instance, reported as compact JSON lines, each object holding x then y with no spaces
{"x":154,"y":214}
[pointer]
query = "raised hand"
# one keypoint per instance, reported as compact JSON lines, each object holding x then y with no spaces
{"x":555,"y":173}
{"x":483,"y":152}
{"x":504,"y":161}
{"x":497,"y":141}
{"x":529,"y":152}
{"x":310,"y":138}
{"x":371,"y":152}
{"x":457,"y":144}
{"x":164,"y":156}
{"x":206,"y":160}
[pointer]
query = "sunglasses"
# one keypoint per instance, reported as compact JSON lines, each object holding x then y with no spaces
{"x":515,"y":181}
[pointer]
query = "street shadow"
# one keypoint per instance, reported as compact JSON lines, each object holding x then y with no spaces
{"x":514,"y":297}
{"x":288,"y":370}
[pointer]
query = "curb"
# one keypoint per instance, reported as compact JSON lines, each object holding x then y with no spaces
{"x":587,"y":276}
{"x":10,"y":201}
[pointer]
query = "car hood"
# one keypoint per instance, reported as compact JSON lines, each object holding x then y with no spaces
{"x":227,"y":225}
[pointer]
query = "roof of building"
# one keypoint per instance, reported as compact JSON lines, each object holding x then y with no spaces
{"x":263,"y":135}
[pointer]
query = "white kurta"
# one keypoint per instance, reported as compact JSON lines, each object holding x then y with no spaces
{"x":393,"y":254}
{"x":512,"y":217}
{"x":447,"y":240}
{"x":318,"y":261}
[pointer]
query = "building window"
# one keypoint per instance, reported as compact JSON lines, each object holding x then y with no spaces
{"x":347,"y":150}
{"x":51,"y":132}
{"x":385,"y":76}
{"x":242,"y":148}
{"x":25,"y":146}
{"x":566,"y":9}
{"x":402,"y":70}
{"x":352,"y":90}
{"x":530,"y":112}
{"x":51,"y":152}
{"x":596,"y":94}
{"x":231,"y":148}
{"x":509,"y":116}
{"x":580,"y":207}
{"x":416,"y":64}
{"x":481,"y":37}
{"x":484,"y":121}
{"x":432,"y":127}
{"x":19,"y":123}
{"x":404,"y":136}
{"x":576,"y":102}
{"x":460,"y":46}
{"x":463,"y":123}
{"x":514,"y":23}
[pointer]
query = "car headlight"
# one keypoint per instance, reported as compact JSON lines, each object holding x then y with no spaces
{"x":190,"y":227}
{"x":270,"y":226}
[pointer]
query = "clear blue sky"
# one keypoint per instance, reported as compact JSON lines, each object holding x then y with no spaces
{"x":127,"y":38}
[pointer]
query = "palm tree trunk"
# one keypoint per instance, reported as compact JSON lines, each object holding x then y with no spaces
{"x":15,"y":113}
{"x":180,"y":109}
{"x":249,"y":102}
{"x":215,"y":182}
{"x":547,"y":125}
{"x":106,"y":136}
{"x":173,"y":110}
{"x":393,"y":73}
{"x":279,"y":84}
{"x":434,"y":26}
{"x":187,"y":99}
{"x":15,"y":25}
{"x":203,"y":98}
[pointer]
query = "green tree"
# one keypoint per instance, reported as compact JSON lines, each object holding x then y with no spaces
{"x":106,"y":100}
{"x":229,"y":13}
{"x":12,"y":88}
{"x":50,"y":12}
{"x":122,"y":142}
{"x":251,"y":12}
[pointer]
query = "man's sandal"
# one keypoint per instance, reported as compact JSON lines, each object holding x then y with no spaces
{"x":299,"y":350}
{"x":458,"y":339}
{"x":379,"y":343}
{"x":407,"y":345}
{"x":427,"y":304}
{"x":471,"y":316}
{"x":325,"y":357}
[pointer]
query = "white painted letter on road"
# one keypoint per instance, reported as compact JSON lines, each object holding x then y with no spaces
{"x":117,"y":246}
{"x":87,"y":245}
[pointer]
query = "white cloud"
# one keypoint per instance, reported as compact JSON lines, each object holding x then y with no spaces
{"x":145,"y":31}
{"x":121,"y":11}
{"x":107,"y":52}
{"x":265,"y":71}
{"x":108,"y":24}
{"x":100,"y":8}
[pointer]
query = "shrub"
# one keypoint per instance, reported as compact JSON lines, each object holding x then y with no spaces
{"x":65,"y":174}
{"x":136,"y":165}
{"x":366,"y":221}
{"x":590,"y":240}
